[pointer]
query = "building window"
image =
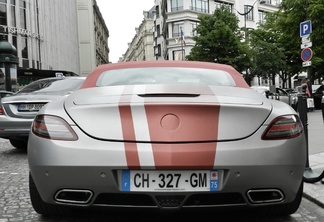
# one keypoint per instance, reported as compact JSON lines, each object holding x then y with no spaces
{"x":159,"y":52}
{"x":157,"y":11}
{"x":176,"y":5}
{"x":24,"y":46}
{"x":3,"y":14}
{"x":199,"y":5}
{"x":177,"y":54}
{"x":262,"y":16}
{"x":273,"y":2}
{"x":249,"y":16}
{"x":14,"y":41}
{"x":22,"y":5}
{"x":176,"y":30}
{"x":225,"y":4}
{"x":193,"y":26}
{"x":13,"y":13}
{"x":25,"y":63}
{"x":158,"y":30}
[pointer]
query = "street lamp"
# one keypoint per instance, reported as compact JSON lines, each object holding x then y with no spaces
{"x":245,"y":29}
{"x":8,"y":65}
{"x":246,"y":13}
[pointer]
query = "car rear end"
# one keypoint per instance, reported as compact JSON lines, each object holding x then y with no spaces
{"x":212,"y":147}
{"x":18,"y":111}
{"x":17,"y":114}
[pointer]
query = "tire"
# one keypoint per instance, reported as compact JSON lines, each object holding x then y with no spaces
{"x":43,"y":208}
{"x":18,"y":143}
{"x":284,"y":209}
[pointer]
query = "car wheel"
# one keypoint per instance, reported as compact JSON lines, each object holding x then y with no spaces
{"x":285,"y":209}
{"x":43,"y":208}
{"x":19,"y":144}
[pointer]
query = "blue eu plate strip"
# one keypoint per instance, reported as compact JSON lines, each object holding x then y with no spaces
{"x":213,"y":180}
{"x":125,"y":180}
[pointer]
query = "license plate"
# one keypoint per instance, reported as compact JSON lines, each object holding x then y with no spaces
{"x":30,"y":107}
{"x":169,"y":181}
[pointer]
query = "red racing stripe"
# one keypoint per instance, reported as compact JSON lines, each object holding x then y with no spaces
{"x":184,"y":156}
{"x":128,"y":129}
{"x":194,"y":122}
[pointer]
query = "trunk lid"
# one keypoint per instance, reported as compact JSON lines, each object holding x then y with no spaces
{"x":164,"y":113}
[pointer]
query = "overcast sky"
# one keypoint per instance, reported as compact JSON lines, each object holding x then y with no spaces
{"x":122,"y":17}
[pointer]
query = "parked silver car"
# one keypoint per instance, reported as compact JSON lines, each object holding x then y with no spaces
{"x":286,"y":96}
{"x":18,"y":110}
{"x":166,"y":136}
{"x":4,"y":93}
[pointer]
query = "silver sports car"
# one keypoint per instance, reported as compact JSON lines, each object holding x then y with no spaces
{"x":166,"y":135}
{"x":18,"y":110}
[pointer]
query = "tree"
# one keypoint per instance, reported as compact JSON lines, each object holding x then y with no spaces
{"x":281,"y":34}
{"x":219,"y":39}
{"x":292,"y":13}
{"x":315,"y":14}
{"x":269,"y":54}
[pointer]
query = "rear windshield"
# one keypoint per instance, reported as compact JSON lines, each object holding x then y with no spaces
{"x":52,"y":85}
{"x":165,"y":75}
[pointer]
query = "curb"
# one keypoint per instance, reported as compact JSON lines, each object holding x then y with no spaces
{"x":314,"y":200}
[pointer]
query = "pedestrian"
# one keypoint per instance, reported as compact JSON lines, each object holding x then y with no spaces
{"x":305,"y":83}
{"x":306,"y":89}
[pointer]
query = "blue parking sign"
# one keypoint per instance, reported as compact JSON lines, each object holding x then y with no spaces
{"x":305,"y":28}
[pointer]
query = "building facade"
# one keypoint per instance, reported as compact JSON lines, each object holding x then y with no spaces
{"x":176,"y":20}
{"x":93,"y":36}
{"x":55,"y":35}
{"x":141,"y":47}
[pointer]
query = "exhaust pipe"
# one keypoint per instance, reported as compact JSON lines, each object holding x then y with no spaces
{"x":265,"y":196}
{"x":73,"y":196}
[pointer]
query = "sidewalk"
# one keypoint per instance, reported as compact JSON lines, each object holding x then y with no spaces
{"x":315,"y":191}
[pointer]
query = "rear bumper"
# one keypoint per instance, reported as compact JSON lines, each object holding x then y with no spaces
{"x":97,"y":186}
{"x":92,"y":168}
{"x":14,"y":127}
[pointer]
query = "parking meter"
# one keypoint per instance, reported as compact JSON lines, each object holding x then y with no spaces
{"x":302,"y":110}
{"x":322,"y":106}
{"x":302,"y":104}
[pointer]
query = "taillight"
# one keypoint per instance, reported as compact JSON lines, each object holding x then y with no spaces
{"x":1,"y":111}
{"x":283,"y":127}
{"x":53,"y":127}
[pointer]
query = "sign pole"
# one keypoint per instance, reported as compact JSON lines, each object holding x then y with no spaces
{"x":306,"y":56}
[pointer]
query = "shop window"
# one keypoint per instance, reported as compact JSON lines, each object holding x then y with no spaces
{"x":3,"y":14}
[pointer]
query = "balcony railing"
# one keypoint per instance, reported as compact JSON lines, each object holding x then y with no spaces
{"x":198,"y":9}
{"x":176,"y":9}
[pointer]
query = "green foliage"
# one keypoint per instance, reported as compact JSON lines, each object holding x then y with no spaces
{"x":290,"y":15}
{"x":219,"y":39}
{"x":281,"y":35}
{"x":274,"y":48}
{"x":270,"y":57}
